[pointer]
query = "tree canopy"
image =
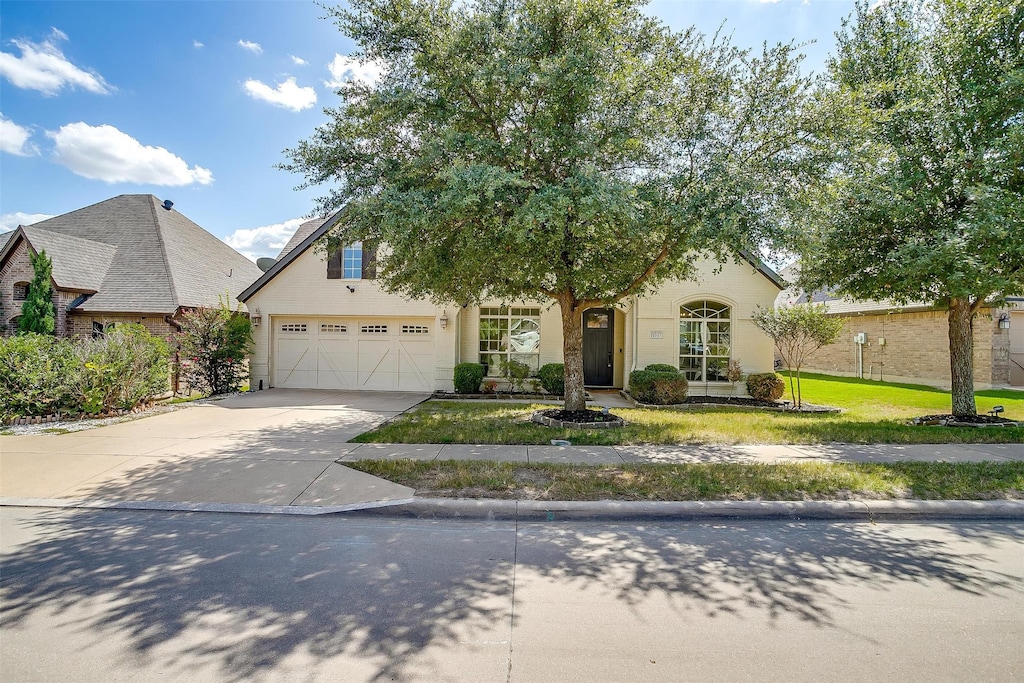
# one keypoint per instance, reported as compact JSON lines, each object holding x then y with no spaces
{"x":569,"y":150}
{"x":926,"y":201}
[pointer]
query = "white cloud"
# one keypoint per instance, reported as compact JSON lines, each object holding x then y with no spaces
{"x":43,"y":67}
{"x":197,"y":44}
{"x":298,"y":61}
{"x":105,"y":153}
{"x":344,"y":69}
{"x":14,"y":139}
{"x":250,"y":46}
{"x":768,"y":2}
{"x":10,"y":221}
{"x":268,"y":240}
{"x":287,"y":94}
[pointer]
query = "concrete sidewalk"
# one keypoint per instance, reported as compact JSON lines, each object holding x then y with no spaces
{"x":284,"y":451}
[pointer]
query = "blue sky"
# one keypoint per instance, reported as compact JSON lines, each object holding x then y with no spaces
{"x":195,"y":101}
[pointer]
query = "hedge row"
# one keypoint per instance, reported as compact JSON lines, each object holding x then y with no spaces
{"x":42,"y":375}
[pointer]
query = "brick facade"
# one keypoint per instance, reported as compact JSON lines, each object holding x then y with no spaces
{"x":18,"y":269}
{"x":916,"y":349}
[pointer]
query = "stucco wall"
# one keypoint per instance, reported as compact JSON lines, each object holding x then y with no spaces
{"x":303,"y":290}
{"x":916,"y":349}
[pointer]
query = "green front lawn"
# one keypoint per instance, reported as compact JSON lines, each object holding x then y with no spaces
{"x":788,"y":481}
{"x":873,"y":412}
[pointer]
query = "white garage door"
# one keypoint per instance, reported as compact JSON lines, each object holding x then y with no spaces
{"x":354,"y":353}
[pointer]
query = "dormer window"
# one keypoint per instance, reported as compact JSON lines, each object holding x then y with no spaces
{"x":20,"y":291}
{"x":352,"y":261}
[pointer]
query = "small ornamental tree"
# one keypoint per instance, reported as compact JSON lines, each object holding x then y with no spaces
{"x":214,"y":344}
{"x":797,"y":331}
{"x":38,"y":314}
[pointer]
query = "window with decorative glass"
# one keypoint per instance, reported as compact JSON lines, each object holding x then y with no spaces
{"x":509,"y":332}
{"x":705,"y":345}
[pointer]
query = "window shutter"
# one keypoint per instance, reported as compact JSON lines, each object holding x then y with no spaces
{"x":334,"y":268}
{"x":369,"y":261}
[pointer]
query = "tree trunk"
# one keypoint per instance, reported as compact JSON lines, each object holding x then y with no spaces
{"x":572,"y":353}
{"x":961,"y":356}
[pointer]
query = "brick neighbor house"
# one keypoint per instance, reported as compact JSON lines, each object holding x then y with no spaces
{"x":131,"y":258}
{"x":910,"y":343}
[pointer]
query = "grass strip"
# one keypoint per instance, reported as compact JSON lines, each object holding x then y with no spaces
{"x":704,"y":481}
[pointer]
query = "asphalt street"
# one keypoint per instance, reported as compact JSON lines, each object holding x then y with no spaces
{"x":107,"y":595}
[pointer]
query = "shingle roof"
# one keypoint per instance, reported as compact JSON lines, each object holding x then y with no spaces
{"x":161,"y":259}
{"x":304,"y":231}
{"x":77,"y":263}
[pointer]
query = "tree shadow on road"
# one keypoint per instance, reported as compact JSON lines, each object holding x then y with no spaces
{"x":246,"y":595}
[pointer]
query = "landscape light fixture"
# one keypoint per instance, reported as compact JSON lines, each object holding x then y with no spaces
{"x":350,"y":288}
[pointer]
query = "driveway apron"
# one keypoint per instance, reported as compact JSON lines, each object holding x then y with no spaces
{"x":271,"y":448}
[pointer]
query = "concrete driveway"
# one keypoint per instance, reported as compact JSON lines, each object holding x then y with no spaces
{"x":271,"y":448}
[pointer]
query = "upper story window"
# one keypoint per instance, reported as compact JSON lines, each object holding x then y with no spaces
{"x":20,"y":291}
{"x":352,"y":261}
{"x":705,"y":340}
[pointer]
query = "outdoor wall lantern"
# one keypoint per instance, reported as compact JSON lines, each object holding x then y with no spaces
{"x":1004,"y":321}
{"x":444,"y":320}
{"x":256,"y":318}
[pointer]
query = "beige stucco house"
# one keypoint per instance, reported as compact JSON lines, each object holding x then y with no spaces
{"x":326,"y":324}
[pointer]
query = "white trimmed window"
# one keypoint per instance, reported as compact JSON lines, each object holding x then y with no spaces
{"x":509,"y":332}
{"x":352,"y":261}
{"x":705,"y":340}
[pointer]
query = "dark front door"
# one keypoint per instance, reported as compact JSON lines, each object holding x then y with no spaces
{"x":598,"y":345}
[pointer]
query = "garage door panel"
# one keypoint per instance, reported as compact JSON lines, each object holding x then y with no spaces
{"x":349,"y":353}
{"x":416,"y":365}
{"x":378,"y":364}
{"x":295,"y":364}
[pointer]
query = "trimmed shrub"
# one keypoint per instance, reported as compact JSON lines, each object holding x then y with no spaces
{"x":121,"y":369}
{"x":661,"y":367}
{"x":552,"y":378}
{"x":658,"y":387}
{"x":468,"y":377}
{"x":37,"y":375}
{"x":765,"y":386}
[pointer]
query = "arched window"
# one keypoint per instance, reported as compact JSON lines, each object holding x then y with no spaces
{"x":705,"y":344}
{"x":20,"y":291}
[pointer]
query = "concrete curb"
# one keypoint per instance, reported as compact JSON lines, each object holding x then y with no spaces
{"x":601,"y":510}
{"x":532,"y":511}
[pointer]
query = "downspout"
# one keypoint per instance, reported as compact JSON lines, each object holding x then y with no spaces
{"x":176,"y":374}
{"x":636,"y":333}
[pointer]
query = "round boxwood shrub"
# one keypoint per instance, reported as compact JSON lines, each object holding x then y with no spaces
{"x":766,"y":386}
{"x":468,"y":377}
{"x":552,"y":378}
{"x":662,"y":367}
{"x":658,"y":387}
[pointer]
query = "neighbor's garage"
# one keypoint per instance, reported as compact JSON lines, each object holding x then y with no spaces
{"x":354,"y":353}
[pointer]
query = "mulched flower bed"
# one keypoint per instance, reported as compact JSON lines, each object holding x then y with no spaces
{"x":577,"y":419}
{"x":737,"y":402}
{"x":732,"y":401}
{"x":964,"y":421}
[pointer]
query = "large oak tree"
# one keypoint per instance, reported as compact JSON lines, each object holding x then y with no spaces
{"x":575,"y":151}
{"x":927,"y":202}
